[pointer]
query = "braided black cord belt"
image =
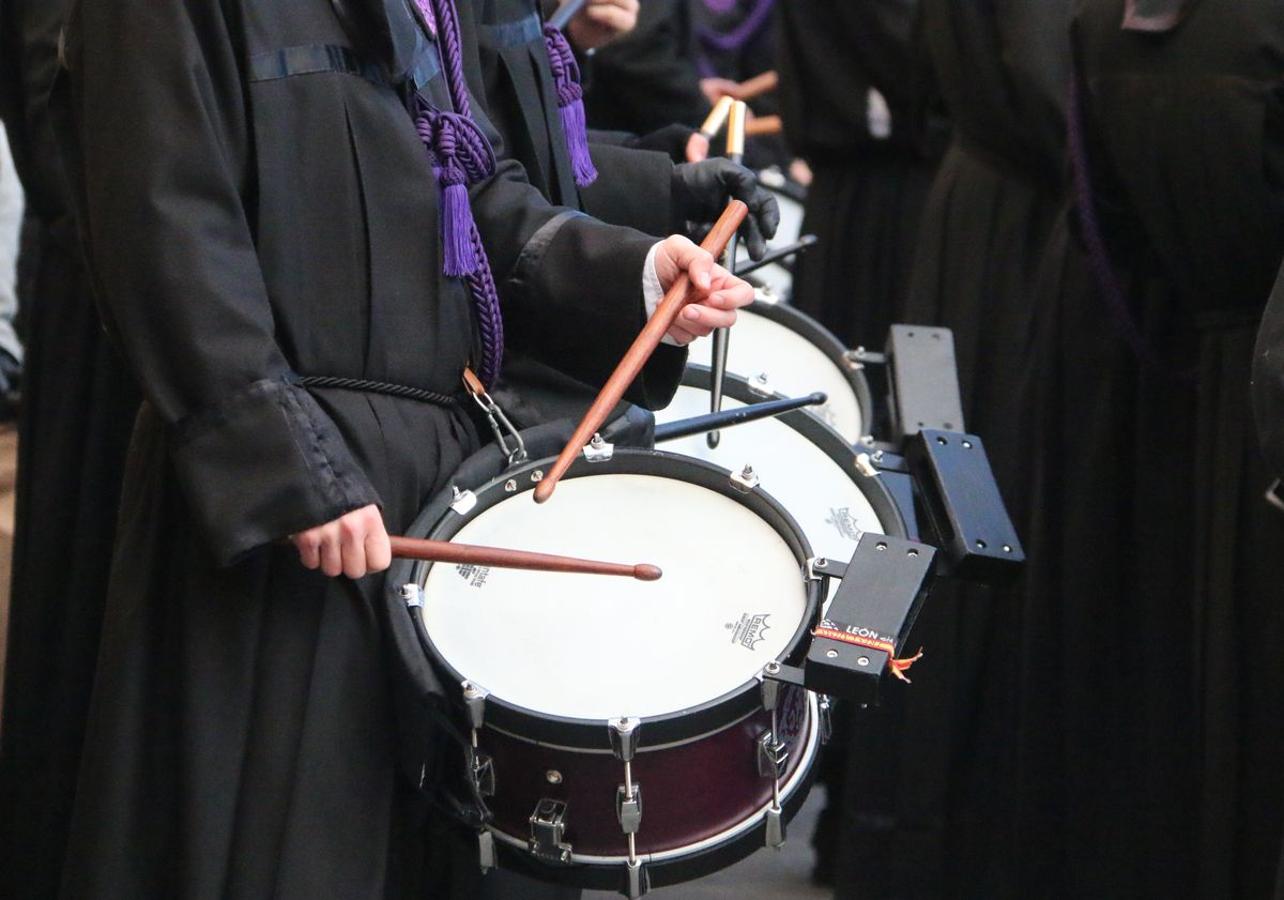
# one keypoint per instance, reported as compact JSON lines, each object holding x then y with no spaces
{"x":401,"y":391}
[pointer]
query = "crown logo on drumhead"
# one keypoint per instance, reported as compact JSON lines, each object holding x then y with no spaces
{"x":750,"y":630}
{"x":843,"y":520}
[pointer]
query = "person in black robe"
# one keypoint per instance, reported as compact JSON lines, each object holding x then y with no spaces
{"x":76,"y":416}
{"x":1153,"y":541}
{"x":260,"y":212}
{"x":529,"y":84}
{"x":736,"y":41}
{"x":648,"y":79}
{"x":854,"y":108}
{"x":930,"y":779}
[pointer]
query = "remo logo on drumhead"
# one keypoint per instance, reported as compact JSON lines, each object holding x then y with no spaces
{"x":749,"y":630}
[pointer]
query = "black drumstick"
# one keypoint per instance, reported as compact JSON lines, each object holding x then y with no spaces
{"x":722,"y":337}
{"x":729,"y":418}
{"x":804,"y":243}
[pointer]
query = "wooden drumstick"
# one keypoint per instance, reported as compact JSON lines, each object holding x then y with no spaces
{"x":717,"y":118}
{"x":755,"y":87}
{"x":495,"y":557}
{"x":764,"y":126}
{"x":640,"y":352}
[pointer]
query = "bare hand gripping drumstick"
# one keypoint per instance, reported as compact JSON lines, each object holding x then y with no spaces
{"x":643,"y":346}
{"x":448,"y":552}
{"x":722,"y":337}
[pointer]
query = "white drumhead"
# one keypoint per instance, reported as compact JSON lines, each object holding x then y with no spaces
{"x":794,"y":366}
{"x":819,"y":493}
{"x":597,"y":647}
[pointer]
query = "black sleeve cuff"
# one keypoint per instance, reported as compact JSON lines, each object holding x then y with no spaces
{"x":265,"y":465}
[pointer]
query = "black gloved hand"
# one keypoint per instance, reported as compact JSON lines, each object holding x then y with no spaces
{"x":671,"y":140}
{"x":700,"y":194}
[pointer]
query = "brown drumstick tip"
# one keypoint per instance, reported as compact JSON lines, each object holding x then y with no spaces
{"x":645,"y":572}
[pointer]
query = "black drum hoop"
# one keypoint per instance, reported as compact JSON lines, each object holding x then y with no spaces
{"x":797,"y":321}
{"x":818,"y":432}
{"x":591,"y":735}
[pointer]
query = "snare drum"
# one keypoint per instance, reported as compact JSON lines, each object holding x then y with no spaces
{"x":794,"y":354}
{"x":798,"y":460}
{"x":623,"y":729}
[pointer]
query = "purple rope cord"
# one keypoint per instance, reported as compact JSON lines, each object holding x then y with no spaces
{"x":737,"y":37}
{"x":1099,"y":260}
{"x":570,"y":105}
{"x":461,"y":156}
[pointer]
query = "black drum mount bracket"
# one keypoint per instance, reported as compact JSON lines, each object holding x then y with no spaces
{"x":923,"y":381}
{"x":867,"y":625}
{"x":960,"y":501}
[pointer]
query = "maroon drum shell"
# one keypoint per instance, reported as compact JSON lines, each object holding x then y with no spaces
{"x":690,"y":792}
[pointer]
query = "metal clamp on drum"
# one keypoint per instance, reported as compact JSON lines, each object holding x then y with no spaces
{"x":963,"y":505}
{"x":548,"y":830}
{"x":869,"y":620}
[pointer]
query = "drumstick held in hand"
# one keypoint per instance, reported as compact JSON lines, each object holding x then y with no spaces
{"x":637,"y":356}
{"x":764,"y":126}
{"x":495,"y":557}
{"x":755,"y":87}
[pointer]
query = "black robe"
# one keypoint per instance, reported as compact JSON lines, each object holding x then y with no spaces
{"x":647,"y":79}
{"x":77,"y":413}
{"x":257,"y":207}
{"x":1151,"y":725}
{"x":1268,"y":379}
{"x":633,"y":187}
{"x":932,"y":780}
{"x":869,"y":188}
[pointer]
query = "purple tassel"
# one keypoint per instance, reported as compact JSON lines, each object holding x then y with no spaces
{"x":570,"y":105}
{"x":457,"y":231}
{"x":577,"y":142}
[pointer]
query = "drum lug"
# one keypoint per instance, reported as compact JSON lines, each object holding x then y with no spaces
{"x":475,"y":704}
{"x":860,"y":357}
{"x":775,"y":828}
{"x":483,"y":771}
{"x":548,"y":828}
{"x":486,"y":851}
{"x":628,"y":808}
{"x":745,"y":480}
{"x":638,"y":880}
{"x":464,"y":501}
{"x":820,"y":567}
{"x":865,"y":465}
{"x":825,"y":708}
{"x":413,"y":595}
{"x":598,"y":450}
{"x":625,"y":734}
{"x":773,"y":756}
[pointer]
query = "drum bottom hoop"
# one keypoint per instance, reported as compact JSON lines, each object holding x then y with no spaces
{"x":684,"y":863}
